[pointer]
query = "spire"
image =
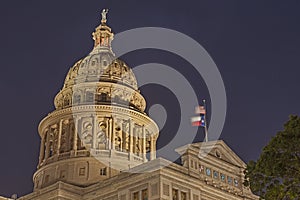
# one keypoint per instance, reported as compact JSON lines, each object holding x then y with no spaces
{"x":103,"y":35}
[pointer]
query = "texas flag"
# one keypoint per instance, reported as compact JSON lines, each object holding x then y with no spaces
{"x":198,"y":121}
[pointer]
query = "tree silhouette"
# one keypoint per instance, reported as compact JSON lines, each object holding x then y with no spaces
{"x":276,"y":174}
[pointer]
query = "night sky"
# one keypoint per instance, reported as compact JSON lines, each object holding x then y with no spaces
{"x":255,"y":45}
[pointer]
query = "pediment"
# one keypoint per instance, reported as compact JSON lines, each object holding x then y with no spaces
{"x":214,"y":151}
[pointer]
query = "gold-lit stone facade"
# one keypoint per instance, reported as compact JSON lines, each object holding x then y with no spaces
{"x":100,"y":144}
{"x":99,"y":123}
{"x":217,"y":176}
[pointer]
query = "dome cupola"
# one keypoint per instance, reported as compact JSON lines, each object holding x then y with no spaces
{"x":100,"y":77}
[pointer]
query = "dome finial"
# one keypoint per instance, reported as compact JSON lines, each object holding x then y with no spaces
{"x":104,"y":13}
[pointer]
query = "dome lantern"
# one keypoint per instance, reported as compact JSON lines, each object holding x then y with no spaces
{"x":103,"y":35}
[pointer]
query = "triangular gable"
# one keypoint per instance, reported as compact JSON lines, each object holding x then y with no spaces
{"x":213,"y":150}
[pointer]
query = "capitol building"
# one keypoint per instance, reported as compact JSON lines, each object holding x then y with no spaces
{"x":99,"y":144}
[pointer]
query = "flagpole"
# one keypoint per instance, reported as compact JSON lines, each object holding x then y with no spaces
{"x":205,"y":127}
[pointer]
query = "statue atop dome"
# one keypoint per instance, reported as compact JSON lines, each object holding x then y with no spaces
{"x":104,"y":13}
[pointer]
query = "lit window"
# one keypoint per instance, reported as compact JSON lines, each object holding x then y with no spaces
{"x":216,"y":174}
{"x":222,"y":177}
{"x":208,"y":172}
{"x":201,"y":168}
{"x":236,"y":183}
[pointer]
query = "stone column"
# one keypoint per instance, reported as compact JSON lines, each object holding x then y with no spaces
{"x":144,"y":143}
{"x":42,"y":149}
{"x":109,"y":133}
{"x":94,"y":144}
{"x":59,"y":136}
{"x":75,"y":136}
{"x":47,"y":144}
{"x":123,"y":131}
{"x":112,"y":134}
{"x":107,"y":137}
{"x":134,"y":140}
{"x":121,"y":142}
{"x":152,"y":148}
{"x":130,"y":136}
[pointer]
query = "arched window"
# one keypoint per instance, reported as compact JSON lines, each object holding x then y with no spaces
{"x":77,"y":99}
{"x":118,"y":142}
{"x":66,"y":101}
{"x":102,"y":97}
{"x":89,"y":97}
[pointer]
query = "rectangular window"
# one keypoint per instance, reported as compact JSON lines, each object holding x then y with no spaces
{"x":103,"y":171}
{"x":166,"y":190}
{"x":154,"y":189}
{"x":201,"y":168}
{"x":136,"y":196}
{"x":77,"y":99}
{"x":145,"y":194}
{"x":216,"y":174}
{"x":222,"y":177}
{"x":208,"y":171}
{"x":82,"y":171}
{"x":175,"y":195}
{"x":89,"y":97}
{"x":183,"y":196}
{"x":236,"y":183}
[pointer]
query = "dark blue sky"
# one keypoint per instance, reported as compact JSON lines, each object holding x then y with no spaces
{"x":255,"y":45}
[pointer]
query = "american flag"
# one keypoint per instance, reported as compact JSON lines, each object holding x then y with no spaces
{"x":200,"y":110}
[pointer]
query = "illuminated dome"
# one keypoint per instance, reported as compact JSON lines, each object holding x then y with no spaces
{"x":101,"y":66}
{"x":111,"y":78}
{"x":99,"y":127}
